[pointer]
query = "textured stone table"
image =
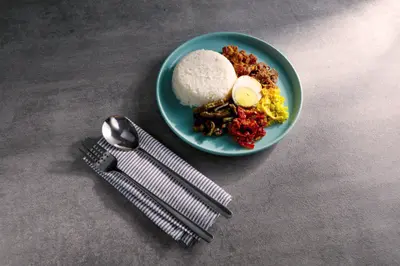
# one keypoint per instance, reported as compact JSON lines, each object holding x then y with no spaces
{"x":328,"y":194}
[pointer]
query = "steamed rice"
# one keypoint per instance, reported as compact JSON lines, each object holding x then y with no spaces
{"x":201,"y":77}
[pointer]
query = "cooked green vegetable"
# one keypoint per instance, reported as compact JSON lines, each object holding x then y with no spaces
{"x":212,"y":105}
{"x":227,"y":119}
{"x":233,"y":108}
{"x":211,"y":127}
{"x":214,"y":118}
{"x":221,"y":106}
{"x":220,"y":114}
{"x":209,"y":106}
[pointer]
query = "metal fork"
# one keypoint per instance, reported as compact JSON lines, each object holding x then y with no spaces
{"x":106,"y":162}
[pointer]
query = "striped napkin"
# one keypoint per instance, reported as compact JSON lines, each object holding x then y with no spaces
{"x":140,"y":167}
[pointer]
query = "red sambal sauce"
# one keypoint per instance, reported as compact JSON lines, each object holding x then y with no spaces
{"x":248,"y":127}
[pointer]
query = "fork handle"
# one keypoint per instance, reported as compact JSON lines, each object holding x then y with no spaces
{"x":178,"y":215}
{"x":204,"y":197}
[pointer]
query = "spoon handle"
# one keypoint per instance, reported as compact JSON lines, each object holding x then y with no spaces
{"x":202,"y":233}
{"x":208,"y":200}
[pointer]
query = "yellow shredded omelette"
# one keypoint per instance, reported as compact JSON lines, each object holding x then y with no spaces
{"x":272,"y":104}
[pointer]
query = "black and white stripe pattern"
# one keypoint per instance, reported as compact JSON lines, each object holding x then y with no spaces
{"x":138,"y":166}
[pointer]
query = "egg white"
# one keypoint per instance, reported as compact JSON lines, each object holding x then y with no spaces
{"x":247,"y":82}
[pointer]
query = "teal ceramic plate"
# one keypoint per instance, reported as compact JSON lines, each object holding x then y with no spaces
{"x":179,"y":118}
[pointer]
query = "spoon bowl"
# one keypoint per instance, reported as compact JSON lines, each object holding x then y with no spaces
{"x":120,"y":132}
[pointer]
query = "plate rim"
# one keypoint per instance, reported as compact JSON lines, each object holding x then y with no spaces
{"x":224,"y":153}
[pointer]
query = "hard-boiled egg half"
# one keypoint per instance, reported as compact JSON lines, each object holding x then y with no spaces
{"x":246,"y":91}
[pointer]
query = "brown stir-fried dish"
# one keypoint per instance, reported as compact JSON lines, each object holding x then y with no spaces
{"x":213,"y":118}
{"x":246,"y":64}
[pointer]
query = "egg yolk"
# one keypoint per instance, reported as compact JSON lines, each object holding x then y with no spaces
{"x":245,"y":97}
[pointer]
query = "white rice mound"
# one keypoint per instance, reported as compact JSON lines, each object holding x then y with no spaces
{"x":201,"y":77}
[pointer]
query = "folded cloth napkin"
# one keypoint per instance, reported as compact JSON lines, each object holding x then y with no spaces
{"x":140,"y":167}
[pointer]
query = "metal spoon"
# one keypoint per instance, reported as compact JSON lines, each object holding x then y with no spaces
{"x":121,"y":133}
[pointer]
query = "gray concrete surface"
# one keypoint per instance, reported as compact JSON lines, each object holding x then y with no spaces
{"x":328,"y":194}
